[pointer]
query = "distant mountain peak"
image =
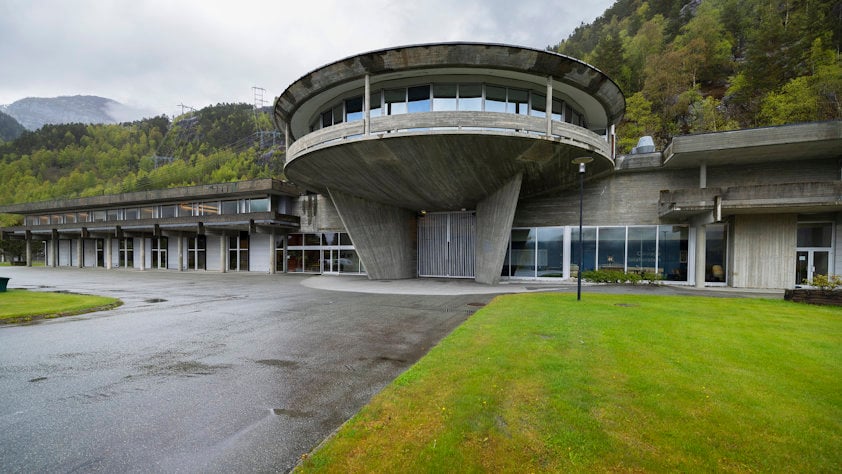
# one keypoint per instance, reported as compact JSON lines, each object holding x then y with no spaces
{"x":35,"y":112}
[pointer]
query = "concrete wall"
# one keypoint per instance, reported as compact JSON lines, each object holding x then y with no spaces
{"x":317,"y":213}
{"x":621,"y":199}
{"x":764,"y":251}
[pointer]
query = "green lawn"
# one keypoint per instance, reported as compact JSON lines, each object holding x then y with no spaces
{"x":21,"y":305}
{"x":541,"y":383}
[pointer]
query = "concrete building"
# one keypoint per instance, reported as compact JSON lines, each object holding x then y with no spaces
{"x":455,"y":160}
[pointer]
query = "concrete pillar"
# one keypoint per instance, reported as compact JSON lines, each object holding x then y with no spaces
{"x":54,"y":250}
{"x":273,"y":256}
{"x":142,"y":253}
{"x":28,"y":248}
{"x":180,"y":253}
{"x":495,"y":214}
{"x":108,"y":256}
{"x":384,"y":236}
{"x":703,"y":176}
{"x":80,"y":252}
{"x":700,"y":256}
{"x":549,"y":105}
{"x":286,"y":253}
{"x":223,"y":251}
{"x":367,"y":106}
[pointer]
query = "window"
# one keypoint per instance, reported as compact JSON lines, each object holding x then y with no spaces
{"x":539,"y":105}
{"x":99,"y":216}
{"x":550,"y":255}
{"x":376,"y":104}
{"x":146,"y":213}
{"x":589,"y":250}
{"x":126,"y":258}
{"x":131,"y":214}
{"x":228,"y":207}
{"x":495,"y":99}
{"x":197,"y":252}
{"x":354,"y":109}
{"x":715,"y":252}
{"x":70,"y":218}
{"x":518,"y":102}
{"x":444,"y":97}
{"x":612,"y":248}
{"x":167,"y":211}
{"x":672,"y":252}
{"x":642,"y":249}
{"x":470,"y":97}
{"x":815,"y":235}
{"x":238,"y":252}
{"x":418,"y":99}
{"x":210,"y":208}
{"x":395,"y":101}
{"x":523,"y":252}
{"x":159,"y":252}
{"x":259,"y":205}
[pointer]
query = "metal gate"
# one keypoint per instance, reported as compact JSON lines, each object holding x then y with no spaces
{"x":446,"y":244}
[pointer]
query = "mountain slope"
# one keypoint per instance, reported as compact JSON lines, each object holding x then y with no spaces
{"x":10,"y":128}
{"x":35,"y":112}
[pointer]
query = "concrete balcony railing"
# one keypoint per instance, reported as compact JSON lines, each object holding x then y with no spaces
{"x":452,"y":123}
{"x":787,"y":197}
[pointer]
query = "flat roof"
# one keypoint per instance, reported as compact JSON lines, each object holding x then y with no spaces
{"x":266,"y":186}
{"x":756,"y":145}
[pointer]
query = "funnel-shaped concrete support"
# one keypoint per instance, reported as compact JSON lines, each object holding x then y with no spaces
{"x":384,"y":236}
{"x":494,"y":223}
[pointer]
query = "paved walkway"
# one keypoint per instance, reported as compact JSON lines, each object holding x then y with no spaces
{"x":444,"y":286}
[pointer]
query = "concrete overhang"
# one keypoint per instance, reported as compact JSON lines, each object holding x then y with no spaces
{"x":234,"y":190}
{"x":441,"y":170}
{"x":683,"y":205}
{"x":760,"y":145}
{"x":601,"y":99}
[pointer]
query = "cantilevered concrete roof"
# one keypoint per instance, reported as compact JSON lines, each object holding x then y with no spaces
{"x":758,"y":145}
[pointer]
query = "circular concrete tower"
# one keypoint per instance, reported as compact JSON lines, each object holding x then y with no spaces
{"x":396,"y":136}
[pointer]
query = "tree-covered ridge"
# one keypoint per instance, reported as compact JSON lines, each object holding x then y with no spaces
{"x":9,"y":127}
{"x":709,"y":65}
{"x":215,"y":144}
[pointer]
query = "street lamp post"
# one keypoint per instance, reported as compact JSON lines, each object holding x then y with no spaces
{"x":581,"y":161}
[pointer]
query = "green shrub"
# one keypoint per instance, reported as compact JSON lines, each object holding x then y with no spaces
{"x":825,"y":282}
{"x":616,"y":276}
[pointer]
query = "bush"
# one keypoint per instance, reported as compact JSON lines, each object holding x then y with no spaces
{"x":616,"y":276}
{"x":824,"y":282}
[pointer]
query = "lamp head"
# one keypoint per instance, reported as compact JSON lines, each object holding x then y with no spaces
{"x":582,"y":161}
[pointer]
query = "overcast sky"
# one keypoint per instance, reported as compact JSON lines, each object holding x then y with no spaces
{"x":155,"y":55}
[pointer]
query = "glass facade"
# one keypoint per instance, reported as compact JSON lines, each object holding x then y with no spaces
{"x":443,"y":97}
{"x":326,"y":252}
{"x":197,"y":253}
{"x":539,"y":252}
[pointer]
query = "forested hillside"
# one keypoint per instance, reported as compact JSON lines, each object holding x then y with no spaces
{"x":710,"y":65}
{"x":215,"y":144}
{"x":9,"y":127}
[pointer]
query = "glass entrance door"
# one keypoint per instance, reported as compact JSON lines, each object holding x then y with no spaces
{"x":811,"y":263}
{"x":813,"y":251}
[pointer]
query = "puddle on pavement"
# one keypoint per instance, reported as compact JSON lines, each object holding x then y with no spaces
{"x":38,"y":379}
{"x":290,"y":413}
{"x":391,"y":359}
{"x":154,"y":300}
{"x":278,"y":363}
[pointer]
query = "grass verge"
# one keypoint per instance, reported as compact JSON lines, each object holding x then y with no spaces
{"x":542,"y":383}
{"x":19,"y":306}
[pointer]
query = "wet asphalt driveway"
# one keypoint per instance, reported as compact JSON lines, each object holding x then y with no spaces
{"x":200,"y":372}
